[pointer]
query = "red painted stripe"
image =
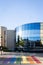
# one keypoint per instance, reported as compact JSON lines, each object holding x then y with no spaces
{"x":35,"y":59}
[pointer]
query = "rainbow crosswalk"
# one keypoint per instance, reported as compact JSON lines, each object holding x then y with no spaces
{"x":21,"y":59}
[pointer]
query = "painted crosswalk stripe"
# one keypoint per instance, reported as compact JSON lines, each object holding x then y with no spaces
{"x":35,"y":59}
{"x":12,"y":60}
{"x":41,"y":59}
{"x":24,"y":61}
{"x":6,"y":60}
{"x":29,"y":58}
{"x":18,"y":60}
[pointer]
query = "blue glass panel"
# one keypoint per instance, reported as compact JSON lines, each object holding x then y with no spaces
{"x":31,"y":31}
{"x":34,"y":38}
{"x":31,"y":26}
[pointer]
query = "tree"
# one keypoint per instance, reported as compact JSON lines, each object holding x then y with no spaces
{"x":21,"y":42}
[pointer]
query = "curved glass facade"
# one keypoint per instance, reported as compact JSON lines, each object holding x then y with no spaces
{"x":29,"y":31}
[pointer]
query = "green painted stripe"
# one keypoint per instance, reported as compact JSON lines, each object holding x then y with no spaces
{"x":18,"y":60}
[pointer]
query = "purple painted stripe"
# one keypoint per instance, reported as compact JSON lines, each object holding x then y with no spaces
{"x":6,"y":60}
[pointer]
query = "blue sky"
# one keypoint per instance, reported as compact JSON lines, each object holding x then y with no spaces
{"x":17,"y":12}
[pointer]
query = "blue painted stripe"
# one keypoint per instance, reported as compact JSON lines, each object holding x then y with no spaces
{"x":12,"y":60}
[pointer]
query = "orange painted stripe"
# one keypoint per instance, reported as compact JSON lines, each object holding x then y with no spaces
{"x":29,"y":58}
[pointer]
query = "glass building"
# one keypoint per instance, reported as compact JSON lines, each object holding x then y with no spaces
{"x":31,"y":34}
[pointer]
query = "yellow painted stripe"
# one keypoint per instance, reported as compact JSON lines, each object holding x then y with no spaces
{"x":24,"y":60}
{"x":29,"y":58}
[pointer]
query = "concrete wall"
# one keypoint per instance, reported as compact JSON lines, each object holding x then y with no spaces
{"x":11,"y":39}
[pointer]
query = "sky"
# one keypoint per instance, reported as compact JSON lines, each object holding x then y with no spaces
{"x":17,"y":12}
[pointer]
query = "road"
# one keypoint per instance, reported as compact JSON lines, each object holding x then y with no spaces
{"x":21,"y":58}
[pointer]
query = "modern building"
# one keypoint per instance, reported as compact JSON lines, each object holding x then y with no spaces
{"x":11,"y":39}
{"x":31,"y":33}
{"x":7,"y":38}
{"x":24,"y":36}
{"x":3,"y":36}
